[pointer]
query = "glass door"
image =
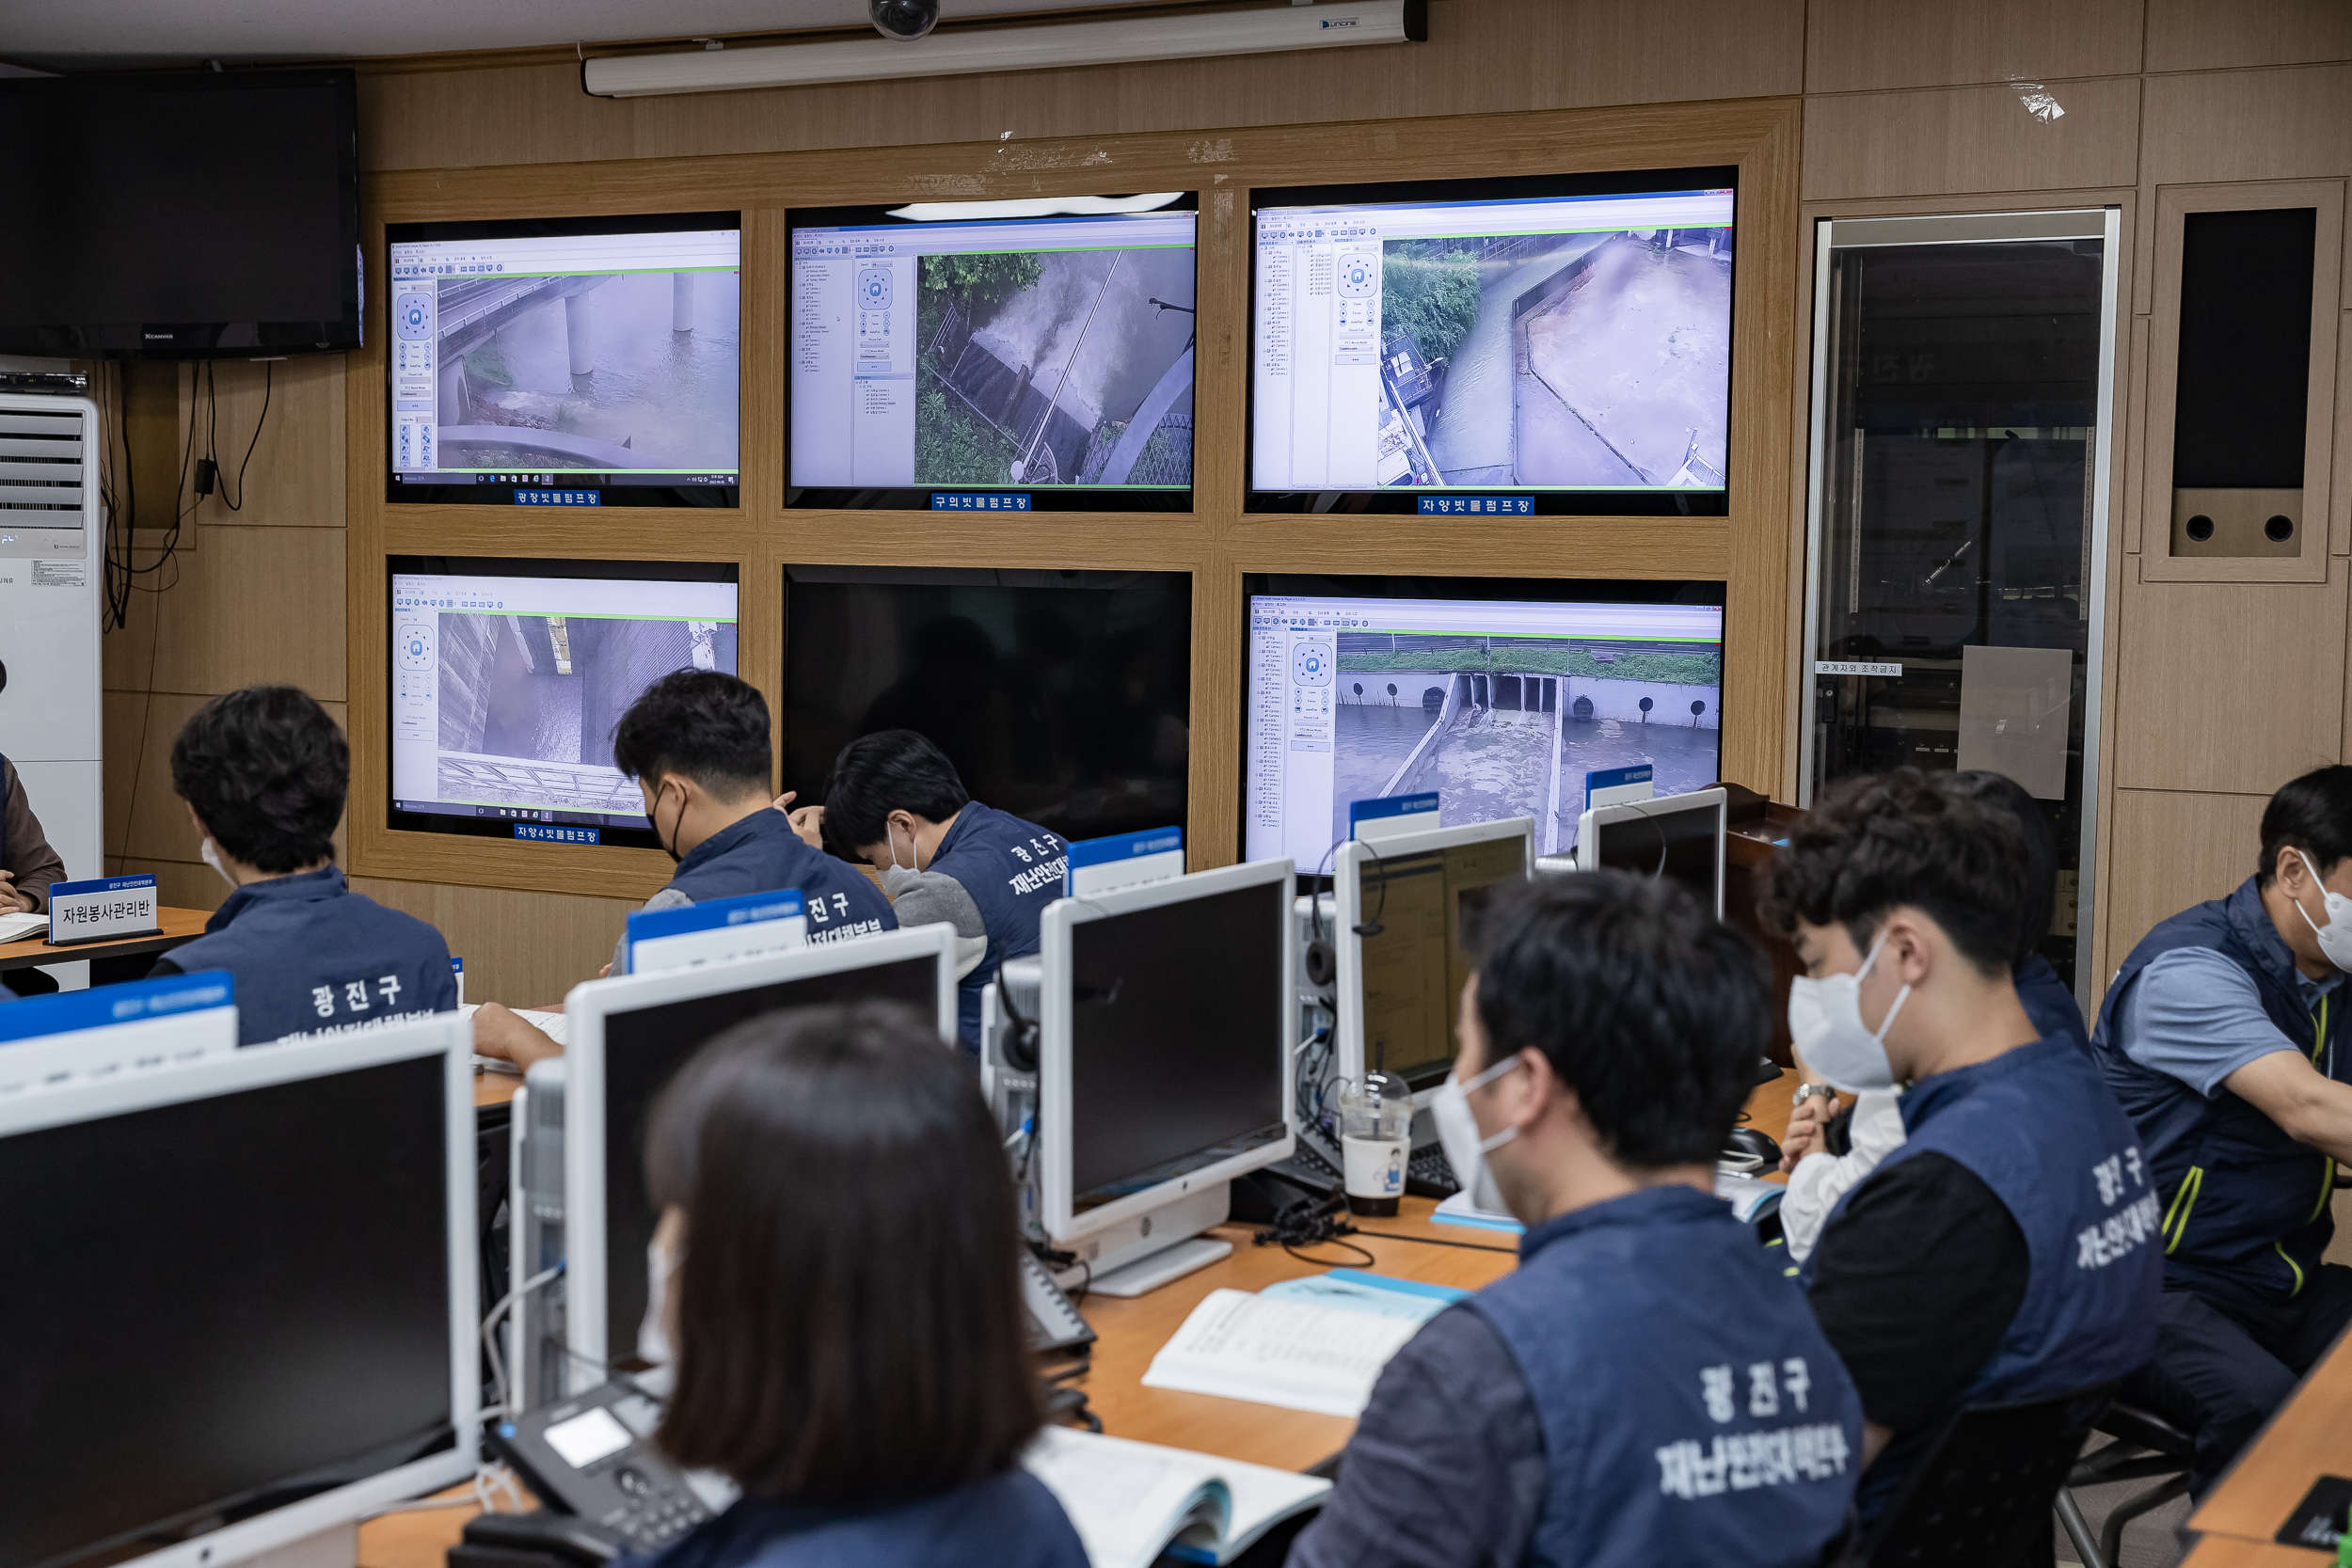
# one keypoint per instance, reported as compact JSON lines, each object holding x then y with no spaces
{"x":1962,"y":399}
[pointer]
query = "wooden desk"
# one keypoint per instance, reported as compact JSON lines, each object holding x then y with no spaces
{"x":2227,"y":1551}
{"x":2305,"y":1439}
{"x":1130,"y":1332}
{"x":179,"y":925}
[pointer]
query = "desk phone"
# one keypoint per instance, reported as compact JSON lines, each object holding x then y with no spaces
{"x":592,"y":1455}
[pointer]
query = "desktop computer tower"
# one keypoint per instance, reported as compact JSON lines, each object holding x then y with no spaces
{"x":536,"y":1355}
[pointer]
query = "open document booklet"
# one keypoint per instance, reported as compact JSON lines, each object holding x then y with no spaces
{"x":1132,"y":1501}
{"x":1316,"y":1343}
{"x":16,"y":927}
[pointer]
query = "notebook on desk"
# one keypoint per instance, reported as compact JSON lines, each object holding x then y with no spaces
{"x":1132,"y":1501}
{"x":16,"y":927}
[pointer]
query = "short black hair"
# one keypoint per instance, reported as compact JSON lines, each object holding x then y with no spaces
{"x":700,"y":725}
{"x":2004,"y":793}
{"x":2313,"y":813}
{"x":888,"y":770}
{"x":849,"y":1326}
{"x":266,"y":770}
{"x":1652,"y":1010}
{"x":1881,"y":840}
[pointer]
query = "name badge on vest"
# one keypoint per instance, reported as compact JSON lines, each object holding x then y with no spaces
{"x":1125,"y":860}
{"x":719,"y":931}
{"x":102,"y":910}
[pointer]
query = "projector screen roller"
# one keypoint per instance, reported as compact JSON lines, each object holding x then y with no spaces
{"x":572,"y":362}
{"x":1494,"y":347}
{"x":984,"y":356}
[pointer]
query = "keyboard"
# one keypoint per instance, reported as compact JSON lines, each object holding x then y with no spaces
{"x":1428,"y":1175}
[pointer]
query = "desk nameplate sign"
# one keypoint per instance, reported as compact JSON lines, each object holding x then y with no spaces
{"x":105,"y":908}
{"x":721,"y":931}
{"x":1123,"y":860}
{"x":1389,"y":815}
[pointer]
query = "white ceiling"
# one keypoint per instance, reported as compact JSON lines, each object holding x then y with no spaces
{"x":70,"y":35}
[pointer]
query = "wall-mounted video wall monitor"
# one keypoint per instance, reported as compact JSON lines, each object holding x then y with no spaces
{"x":508,"y":676}
{"x":1062,"y":697}
{"x":994,"y":356}
{"x":566,"y":362}
{"x":1501,"y":694}
{"x":1500,"y":347}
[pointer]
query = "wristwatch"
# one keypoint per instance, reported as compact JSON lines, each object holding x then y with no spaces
{"x":1805,"y":1089}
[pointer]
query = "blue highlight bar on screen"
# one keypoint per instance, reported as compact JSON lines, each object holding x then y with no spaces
{"x":541,"y":833}
{"x":558,"y":498}
{"x":1006,"y":501}
{"x":1492,"y":506}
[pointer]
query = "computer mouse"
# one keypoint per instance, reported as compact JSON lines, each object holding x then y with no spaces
{"x":1748,"y":1152}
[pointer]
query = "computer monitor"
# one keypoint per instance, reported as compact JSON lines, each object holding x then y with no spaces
{"x":508,"y":675}
{"x":244,"y":1307}
{"x":627,"y":1038}
{"x":1680,"y":836}
{"x":994,"y":356}
{"x":1166,"y":1029}
{"x":1499,"y":694}
{"x":1405,"y":916}
{"x":587,"y":361}
{"x":1064,"y":698}
{"x":1559,"y":343}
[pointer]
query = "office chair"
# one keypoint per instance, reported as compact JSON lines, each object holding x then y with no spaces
{"x":1981,"y":1496}
{"x":2145,"y":1445}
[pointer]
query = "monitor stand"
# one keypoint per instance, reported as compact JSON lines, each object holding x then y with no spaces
{"x":1148,"y":1251}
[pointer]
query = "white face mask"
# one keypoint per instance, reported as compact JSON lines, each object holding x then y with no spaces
{"x":897,"y":878}
{"x":1825,"y":1025}
{"x":211,"y":858}
{"x":1458,"y":1133}
{"x":653,"y":1335}
{"x":2335,"y":938}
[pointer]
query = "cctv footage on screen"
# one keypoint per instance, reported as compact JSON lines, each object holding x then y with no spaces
{"x":1559,"y":345}
{"x":505,"y":691}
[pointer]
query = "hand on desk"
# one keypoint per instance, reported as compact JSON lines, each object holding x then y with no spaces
{"x":497,"y":1032}
{"x":14,"y":902}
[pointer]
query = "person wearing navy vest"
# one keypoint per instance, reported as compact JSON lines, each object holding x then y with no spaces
{"x":2008,"y":1250}
{"x":696,"y":743}
{"x":2222,"y":1035}
{"x":1646,"y":1388}
{"x":836,"y":1273}
{"x":895,"y":801}
{"x":27,"y":867}
{"x":265,"y":772}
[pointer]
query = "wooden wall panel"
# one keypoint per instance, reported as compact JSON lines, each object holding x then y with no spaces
{"x":291,"y":458}
{"x":2172,"y":850}
{"x":2290,"y":123}
{"x":179,"y":885}
{"x":2215,"y":35}
{"x":1870,"y":45}
{"x":247,"y":604}
{"x":2228,"y":687}
{"x":1960,"y":140}
{"x":1483,"y":57}
{"x":524,"y":949}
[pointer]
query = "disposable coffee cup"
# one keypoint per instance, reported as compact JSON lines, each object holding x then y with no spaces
{"x":1374,"y":1177}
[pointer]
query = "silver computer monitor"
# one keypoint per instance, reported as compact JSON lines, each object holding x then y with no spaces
{"x":1680,"y":836}
{"x":1166,"y":1020}
{"x":242,"y":1303}
{"x":627,"y":1038}
{"x":1404,"y":913}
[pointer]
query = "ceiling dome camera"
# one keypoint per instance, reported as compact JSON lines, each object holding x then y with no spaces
{"x":903,"y":20}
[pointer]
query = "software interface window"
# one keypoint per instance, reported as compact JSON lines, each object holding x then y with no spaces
{"x":1569,"y":344}
{"x":505,"y":690}
{"x":525,"y":361}
{"x":1502,"y":707}
{"x":1007,"y":352}
{"x":1426,"y":907}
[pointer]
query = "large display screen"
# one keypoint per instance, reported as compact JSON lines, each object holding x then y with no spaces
{"x":987,"y":357}
{"x":1501,"y":703}
{"x":508,"y":678}
{"x":1062,"y":697}
{"x":1510,"y":346}
{"x":568,"y":362}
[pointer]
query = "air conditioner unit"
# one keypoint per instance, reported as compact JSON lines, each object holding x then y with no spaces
{"x":51,"y":571}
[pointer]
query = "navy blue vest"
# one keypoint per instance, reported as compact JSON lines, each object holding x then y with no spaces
{"x":312,"y":957}
{"x":762,"y":854}
{"x":2246,"y":1213}
{"x":1013,"y":869}
{"x":1007,"y":1521}
{"x":2037,"y":1127}
{"x":1691,"y":1409}
{"x":2048,"y":1003}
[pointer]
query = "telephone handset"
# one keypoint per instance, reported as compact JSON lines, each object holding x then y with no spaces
{"x":592,"y":1456}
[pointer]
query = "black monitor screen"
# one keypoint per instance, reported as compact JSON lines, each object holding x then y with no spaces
{"x":1178,"y":1044}
{"x":1678,"y":844}
{"x":644,"y":1048}
{"x":1426,"y":908}
{"x":219,"y":1307}
{"x":1062,"y":697}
